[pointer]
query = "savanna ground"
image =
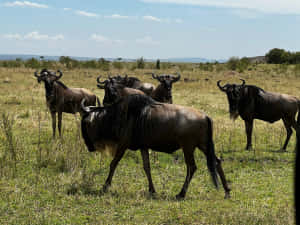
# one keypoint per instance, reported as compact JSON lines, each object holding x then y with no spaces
{"x":46,"y":181}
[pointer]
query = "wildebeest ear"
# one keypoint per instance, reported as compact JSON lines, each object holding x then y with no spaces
{"x":100,"y":86}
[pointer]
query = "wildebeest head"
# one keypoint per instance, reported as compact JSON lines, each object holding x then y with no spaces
{"x":166,"y":81}
{"x":131,"y":82}
{"x":110,"y":87}
{"x":233,"y":92}
{"x":48,"y":78}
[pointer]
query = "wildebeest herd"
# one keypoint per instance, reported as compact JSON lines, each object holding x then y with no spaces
{"x":140,"y":116}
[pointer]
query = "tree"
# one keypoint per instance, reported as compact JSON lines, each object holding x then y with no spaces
{"x":277,"y":56}
{"x":32,"y":63}
{"x":157,"y":64}
{"x":140,"y":63}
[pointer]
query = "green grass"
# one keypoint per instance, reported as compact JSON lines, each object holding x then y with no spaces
{"x":45,"y":181}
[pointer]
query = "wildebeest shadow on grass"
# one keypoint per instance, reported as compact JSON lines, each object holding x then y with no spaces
{"x":141,"y":194}
{"x":256,"y":158}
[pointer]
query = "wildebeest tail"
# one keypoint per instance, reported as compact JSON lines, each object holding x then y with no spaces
{"x":98,"y":102}
{"x":210,"y":155}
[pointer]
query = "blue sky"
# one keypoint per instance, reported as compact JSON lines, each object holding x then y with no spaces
{"x":214,"y":29}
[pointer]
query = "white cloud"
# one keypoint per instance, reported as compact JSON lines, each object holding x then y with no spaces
{"x":178,"y":21}
{"x":152,"y":18}
{"x":162,"y":20}
{"x":246,"y":14}
{"x":58,"y":37}
{"x":84,"y":13}
{"x":67,"y":9}
{"x":117,"y":16}
{"x":25,"y":4}
{"x":147,"y":40}
{"x":265,"y":6}
{"x":105,"y":40}
{"x":12,"y":36}
{"x":35,"y":35}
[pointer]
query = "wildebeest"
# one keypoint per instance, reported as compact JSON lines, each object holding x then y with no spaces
{"x":252,"y":102}
{"x":60,"y":98}
{"x":138,"y":122}
{"x":163,"y":92}
{"x":135,"y":83}
{"x":114,"y":90}
{"x":296,"y":180}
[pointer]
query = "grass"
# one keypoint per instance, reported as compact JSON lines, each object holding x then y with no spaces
{"x":46,"y":181}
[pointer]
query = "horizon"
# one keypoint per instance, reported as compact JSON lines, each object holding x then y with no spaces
{"x":152,"y":29}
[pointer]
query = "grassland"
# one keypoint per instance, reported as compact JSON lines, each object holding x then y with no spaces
{"x":46,"y":181}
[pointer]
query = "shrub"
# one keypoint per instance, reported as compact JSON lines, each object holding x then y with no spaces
{"x":140,"y":63}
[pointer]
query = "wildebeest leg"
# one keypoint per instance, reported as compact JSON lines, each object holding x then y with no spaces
{"x":223,"y":179}
{"x":113,"y":165}
{"x":289,"y":132}
{"x":146,"y":164}
{"x":59,"y":117}
{"x":249,"y":126}
{"x":191,"y":168}
{"x":53,"y":115}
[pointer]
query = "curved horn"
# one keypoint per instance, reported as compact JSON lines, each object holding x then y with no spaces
{"x":244,"y":82}
{"x":175,"y":79}
{"x":100,"y":82}
{"x":36,"y":74}
{"x":60,"y":75}
{"x":154,"y":76}
{"x":222,"y":88}
{"x":83,"y":107}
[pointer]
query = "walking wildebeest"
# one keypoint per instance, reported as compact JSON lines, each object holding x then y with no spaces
{"x":113,"y":90}
{"x":163,"y":92}
{"x":61,"y":99}
{"x":138,"y":122}
{"x":296,"y":179}
{"x":251,"y":102}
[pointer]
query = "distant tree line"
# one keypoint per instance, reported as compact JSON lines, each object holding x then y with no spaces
{"x":280,"y":56}
{"x":70,"y":63}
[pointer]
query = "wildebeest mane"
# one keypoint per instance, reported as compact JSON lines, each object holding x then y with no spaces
{"x":253,"y":87}
{"x":61,"y":84}
{"x":138,"y":109}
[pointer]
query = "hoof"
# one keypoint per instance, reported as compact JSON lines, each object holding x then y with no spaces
{"x":248,"y":148}
{"x":227,"y":195}
{"x":152,"y":195}
{"x":179,"y":197}
{"x":105,"y":189}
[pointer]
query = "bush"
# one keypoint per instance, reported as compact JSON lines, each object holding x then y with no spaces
{"x":232,"y":63}
{"x":206,"y":66}
{"x":140,"y":63}
{"x":157,"y":66}
{"x":118,"y":65}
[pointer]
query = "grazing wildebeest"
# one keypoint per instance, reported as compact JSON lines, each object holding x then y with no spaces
{"x":251,"y":102}
{"x":163,"y":92}
{"x":60,"y":98}
{"x":138,"y":122}
{"x":135,"y":83}
{"x":113,"y":90}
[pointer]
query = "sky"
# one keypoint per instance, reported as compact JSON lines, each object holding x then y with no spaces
{"x":156,"y":29}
